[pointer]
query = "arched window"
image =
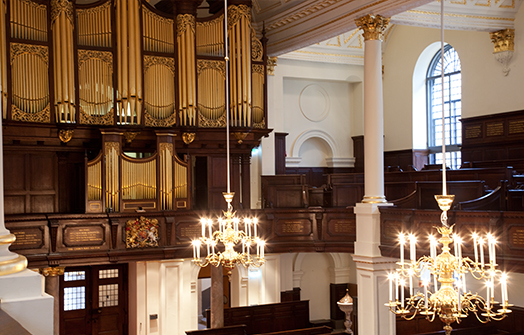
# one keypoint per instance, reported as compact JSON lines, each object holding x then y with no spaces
{"x":452,"y":107}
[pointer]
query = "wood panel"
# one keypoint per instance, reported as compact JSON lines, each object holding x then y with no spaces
{"x":30,"y":182}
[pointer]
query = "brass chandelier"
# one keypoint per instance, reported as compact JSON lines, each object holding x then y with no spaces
{"x":451,"y":301}
{"x":222,"y":245}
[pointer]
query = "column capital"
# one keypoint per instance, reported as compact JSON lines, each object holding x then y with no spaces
{"x":503,"y":40}
{"x":373,"y":26}
{"x":52,"y":271}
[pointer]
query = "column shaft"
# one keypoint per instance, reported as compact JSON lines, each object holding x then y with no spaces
{"x":217,"y":297}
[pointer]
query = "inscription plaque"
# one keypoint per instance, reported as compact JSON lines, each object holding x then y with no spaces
{"x":516,"y":127}
{"x":342,"y":227}
{"x":293,"y":227}
{"x":516,"y":237}
{"x":191,"y":231}
{"x":83,"y":236}
{"x":495,"y":129}
{"x":29,"y":238}
{"x":473,"y":131}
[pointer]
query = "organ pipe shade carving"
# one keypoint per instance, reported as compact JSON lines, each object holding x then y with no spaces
{"x":181,"y":178}
{"x":62,"y":29}
{"x":138,"y":178}
{"x":159,"y":95}
{"x":4,"y":60}
{"x":28,"y":20}
{"x":210,"y":37}
{"x":239,"y":32}
{"x":129,"y":89}
{"x":186,"y":69}
{"x":112,"y":173}
{"x":258,"y":96}
{"x":94,"y":26}
{"x":30,"y":85}
{"x":211,"y":93}
{"x":95,"y":77}
{"x":158,"y":32}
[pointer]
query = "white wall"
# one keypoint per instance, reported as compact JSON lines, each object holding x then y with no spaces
{"x":485,"y":90}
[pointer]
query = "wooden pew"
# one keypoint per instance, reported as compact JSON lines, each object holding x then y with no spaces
{"x":230,"y":330}
{"x":304,"y":331}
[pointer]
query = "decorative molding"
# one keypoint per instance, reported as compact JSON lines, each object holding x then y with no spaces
{"x":188,"y":138}
{"x":154,"y":122}
{"x":65,"y":135}
{"x":271,"y":63}
{"x":503,"y":47}
{"x":105,"y":120}
{"x":208,"y":123}
{"x":373,"y":26}
{"x":109,"y":146}
{"x":313,"y":133}
{"x":104,"y":56}
{"x":166,"y":147}
{"x":236,"y":13}
{"x":239,"y":136}
{"x":18,"y":49}
{"x":155,"y":60}
{"x":340,"y":162}
{"x":52,"y":271}
{"x":130,"y":135}
{"x":204,"y":64}
{"x":59,"y":6}
{"x":293,"y":161}
{"x":257,"y":50}
{"x":43,"y":116}
{"x":185,"y":22}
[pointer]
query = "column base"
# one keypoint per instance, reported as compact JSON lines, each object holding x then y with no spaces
{"x":374,"y":200}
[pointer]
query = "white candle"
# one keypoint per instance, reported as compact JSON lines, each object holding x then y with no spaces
{"x":458,"y":297}
{"x":464,"y":282}
{"x":503,"y":289}
{"x":210,"y":223}
{"x":490,"y":248}
{"x":475,"y":242}
{"x":396,"y":287}
{"x":207,"y":244}
{"x":433,"y":247}
{"x":262,"y":244}
{"x":203,"y":221}
{"x":194,"y":249}
{"x":488,"y":300}
{"x":213,"y":247}
{"x":248,"y":227}
{"x":425,"y":284}
{"x":390,"y":278}
{"x":402,"y":283}
{"x":412,"y":247}
{"x":481,"y":246}
{"x":411,"y":283}
{"x":494,"y":251}
{"x":401,"y":241}
{"x":255,"y":221}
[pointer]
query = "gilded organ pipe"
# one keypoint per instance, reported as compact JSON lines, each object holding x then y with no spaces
{"x":62,"y":28}
{"x":129,"y":93}
{"x":3,"y":58}
{"x":186,"y":69}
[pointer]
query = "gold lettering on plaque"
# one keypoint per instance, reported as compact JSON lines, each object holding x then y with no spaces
{"x":292,"y":228}
{"x":473,"y":131}
{"x":495,"y":129}
{"x":82,"y":236}
{"x":517,"y":237}
{"x":193,"y":231}
{"x":31,"y":238}
{"x":516,"y":127}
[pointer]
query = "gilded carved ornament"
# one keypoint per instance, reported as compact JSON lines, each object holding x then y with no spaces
{"x":141,"y":233}
{"x":65,"y":135}
{"x":185,"y":22}
{"x":188,"y":137}
{"x":271,"y":63}
{"x":130,"y":135}
{"x":239,"y":136}
{"x":59,"y":6}
{"x":503,"y":46}
{"x":52,"y":271}
{"x":373,"y":26}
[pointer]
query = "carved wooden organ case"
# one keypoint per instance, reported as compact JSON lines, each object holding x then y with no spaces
{"x":114,"y":64}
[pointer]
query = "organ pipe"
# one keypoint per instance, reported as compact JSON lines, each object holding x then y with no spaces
{"x":186,"y":69}
{"x":28,"y":20}
{"x":129,"y":93}
{"x":3,"y":58}
{"x":62,"y":29}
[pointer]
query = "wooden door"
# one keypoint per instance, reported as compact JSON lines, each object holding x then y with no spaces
{"x":93,"y":300}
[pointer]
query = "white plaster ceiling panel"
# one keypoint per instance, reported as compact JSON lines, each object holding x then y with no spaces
{"x":478,"y":15}
{"x":296,"y":24}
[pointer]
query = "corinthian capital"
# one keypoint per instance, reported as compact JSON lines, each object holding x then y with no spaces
{"x":373,"y":26}
{"x":503,"y":40}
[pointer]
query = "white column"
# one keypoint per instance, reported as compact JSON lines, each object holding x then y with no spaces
{"x":371,"y":267}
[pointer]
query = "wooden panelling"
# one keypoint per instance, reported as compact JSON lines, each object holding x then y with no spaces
{"x":30,"y":182}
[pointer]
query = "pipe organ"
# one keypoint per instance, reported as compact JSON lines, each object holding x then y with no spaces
{"x":124,"y":62}
{"x":117,"y":182}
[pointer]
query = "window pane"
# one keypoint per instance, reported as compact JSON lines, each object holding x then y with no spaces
{"x":74,"y":275}
{"x":74,"y":298}
{"x":108,"y":295}
{"x":110,"y":273}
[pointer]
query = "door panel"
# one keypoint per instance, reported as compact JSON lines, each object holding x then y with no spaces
{"x":93,"y":300}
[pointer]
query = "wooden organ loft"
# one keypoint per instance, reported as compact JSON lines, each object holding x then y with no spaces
{"x":130,"y":99}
